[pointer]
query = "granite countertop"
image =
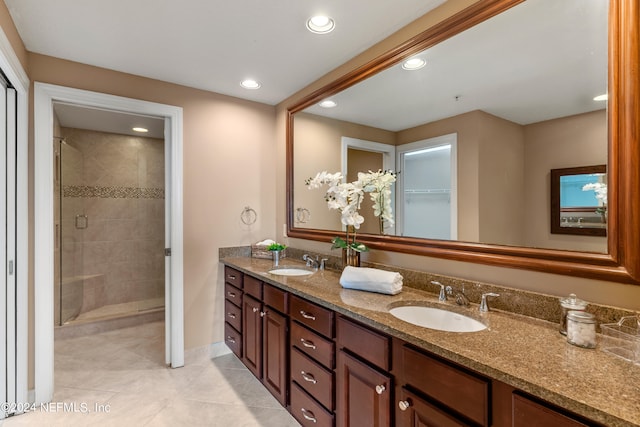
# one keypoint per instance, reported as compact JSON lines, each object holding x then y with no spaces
{"x":521,"y":351}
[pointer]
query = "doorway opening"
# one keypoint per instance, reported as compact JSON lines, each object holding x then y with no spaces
{"x":45,"y":96}
{"x":427,"y":204}
{"x":109,"y":219}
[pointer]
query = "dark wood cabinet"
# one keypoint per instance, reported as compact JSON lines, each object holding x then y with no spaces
{"x":312,"y":357}
{"x":363,"y":394}
{"x":313,"y":316}
{"x":233,"y":277}
{"x":265,"y":338}
{"x":314,"y":378}
{"x":233,"y":310}
{"x":233,"y":339}
{"x":414,"y":411}
{"x":458,"y":391}
{"x":329,"y":369}
{"x":274,"y":354}
{"x":252,"y":334}
{"x":307,"y":411}
{"x":364,"y":386}
{"x":529,"y":413}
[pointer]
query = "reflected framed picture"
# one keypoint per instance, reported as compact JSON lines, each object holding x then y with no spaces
{"x":579,"y":200}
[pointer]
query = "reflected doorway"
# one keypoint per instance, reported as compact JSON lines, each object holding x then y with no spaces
{"x":427,"y":202}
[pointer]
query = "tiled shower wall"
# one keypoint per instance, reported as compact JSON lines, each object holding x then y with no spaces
{"x":122,"y":194}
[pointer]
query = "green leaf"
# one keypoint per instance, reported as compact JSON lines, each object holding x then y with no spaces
{"x":276,"y":247}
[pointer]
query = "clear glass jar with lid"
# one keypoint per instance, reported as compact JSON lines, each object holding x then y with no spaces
{"x":581,"y":329}
{"x":572,"y":302}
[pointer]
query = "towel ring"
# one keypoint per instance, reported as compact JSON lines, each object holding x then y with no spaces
{"x":248,"y":216}
{"x":302,"y":215}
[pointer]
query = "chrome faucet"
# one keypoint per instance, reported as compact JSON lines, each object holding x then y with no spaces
{"x":316,"y":263}
{"x":461,"y":298}
{"x":484,"y":307}
{"x":444,"y":290}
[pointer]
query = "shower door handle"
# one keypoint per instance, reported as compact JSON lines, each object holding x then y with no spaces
{"x":82,"y":222}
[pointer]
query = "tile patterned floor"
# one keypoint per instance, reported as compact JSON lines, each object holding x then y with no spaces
{"x":123,"y":371}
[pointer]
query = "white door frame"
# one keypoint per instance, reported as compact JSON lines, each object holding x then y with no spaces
{"x":44,"y":96}
{"x":388,"y":152}
{"x":12,"y":68}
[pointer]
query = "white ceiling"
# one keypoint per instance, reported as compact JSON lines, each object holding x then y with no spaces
{"x":540,"y":60}
{"x":212,"y":44}
{"x":80,"y":117}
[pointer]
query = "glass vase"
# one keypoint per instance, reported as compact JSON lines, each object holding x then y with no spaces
{"x":350,"y":257}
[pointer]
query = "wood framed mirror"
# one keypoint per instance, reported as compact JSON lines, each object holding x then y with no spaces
{"x":621,"y":262}
{"x":579,"y":201}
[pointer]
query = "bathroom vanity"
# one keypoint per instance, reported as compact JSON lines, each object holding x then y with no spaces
{"x":336,"y":357}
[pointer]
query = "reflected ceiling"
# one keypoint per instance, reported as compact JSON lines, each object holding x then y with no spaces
{"x":527,"y":90}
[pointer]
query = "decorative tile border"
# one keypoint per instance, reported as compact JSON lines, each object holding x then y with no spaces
{"x":112,"y":192}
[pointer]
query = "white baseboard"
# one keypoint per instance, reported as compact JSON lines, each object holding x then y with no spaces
{"x":218,"y":349}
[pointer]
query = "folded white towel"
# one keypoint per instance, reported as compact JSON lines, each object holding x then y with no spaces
{"x":371,"y":279}
{"x":265,"y":242}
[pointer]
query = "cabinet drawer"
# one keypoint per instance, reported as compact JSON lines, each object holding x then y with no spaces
{"x":464,"y":392}
{"x":275,"y":298}
{"x":233,"y":339}
{"x":312,"y":344}
{"x":528,"y":413}
{"x":253,"y":287}
{"x":233,"y":315}
{"x":414,"y":411}
{"x":233,"y":277}
{"x":360,"y":340}
{"x":315,"y":317}
{"x":312,"y":377}
{"x":307,"y":411}
{"x":233,"y":294}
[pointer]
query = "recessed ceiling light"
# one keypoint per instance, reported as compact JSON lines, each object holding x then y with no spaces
{"x":250,"y":84}
{"x":320,"y":24}
{"x":327,"y":103}
{"x":601,"y":97}
{"x":140,"y":129}
{"x":413,"y":64}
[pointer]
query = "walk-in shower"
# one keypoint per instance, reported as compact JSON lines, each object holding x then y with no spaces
{"x":109,"y":226}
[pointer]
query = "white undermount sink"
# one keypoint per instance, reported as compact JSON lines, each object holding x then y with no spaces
{"x":436,"y":318}
{"x":291,"y":271}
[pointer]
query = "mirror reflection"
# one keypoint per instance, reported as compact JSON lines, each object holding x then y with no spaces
{"x":579,"y":200}
{"x":513,"y":97}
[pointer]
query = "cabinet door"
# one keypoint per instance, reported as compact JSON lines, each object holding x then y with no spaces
{"x":363,"y":394}
{"x":527,"y":413}
{"x":274,"y":356}
{"x":252,"y":335}
{"x":416,"y":412}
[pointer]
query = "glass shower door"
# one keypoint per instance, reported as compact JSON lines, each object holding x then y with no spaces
{"x":72,"y":222}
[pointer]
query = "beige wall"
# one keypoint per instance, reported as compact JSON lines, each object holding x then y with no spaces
{"x":501,"y":161}
{"x":363,"y":161}
{"x":10,"y":31}
{"x":603,"y":292}
{"x":229,"y":163}
{"x":493,"y":153}
{"x":490,"y":154}
{"x":318,"y":148}
{"x":561,"y":143}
